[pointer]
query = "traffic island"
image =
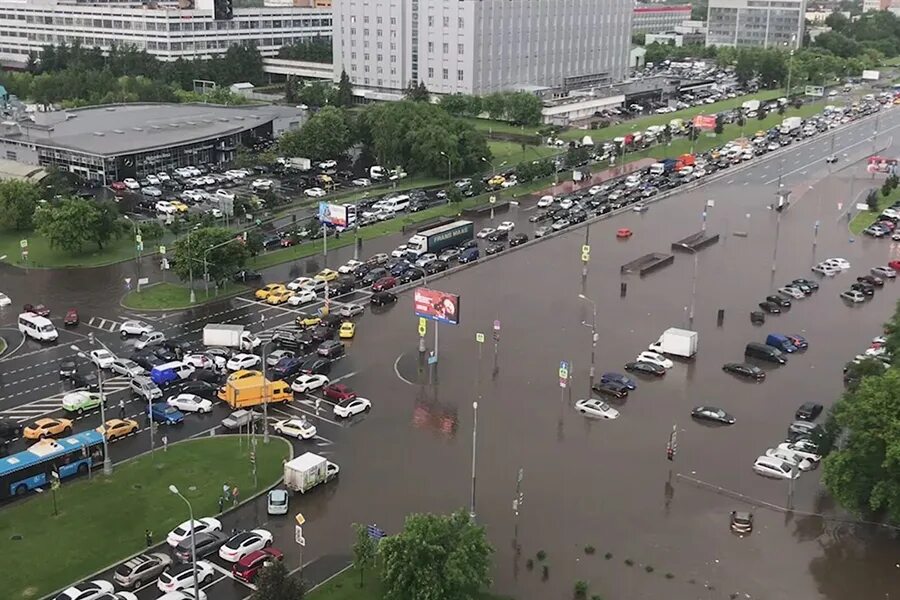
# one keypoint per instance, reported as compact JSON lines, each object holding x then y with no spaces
{"x":101,"y":521}
{"x":170,"y":296}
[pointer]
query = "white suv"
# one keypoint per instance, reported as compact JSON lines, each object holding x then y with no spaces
{"x":135,"y":328}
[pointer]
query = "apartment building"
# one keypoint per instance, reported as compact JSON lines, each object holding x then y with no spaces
{"x":760,"y":23}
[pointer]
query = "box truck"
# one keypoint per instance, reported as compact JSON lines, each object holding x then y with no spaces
{"x":308,"y":470}
{"x":438,"y":238}
{"x":677,"y":342}
{"x":232,"y":336}
{"x":790,"y":126}
{"x":254,"y":390}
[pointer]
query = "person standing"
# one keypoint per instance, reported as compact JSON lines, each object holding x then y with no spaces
{"x":148,"y":536}
{"x":122,"y":408}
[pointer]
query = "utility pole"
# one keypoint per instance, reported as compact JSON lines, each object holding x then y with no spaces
{"x":479,"y":339}
{"x":496,"y":346}
{"x":518,"y":500}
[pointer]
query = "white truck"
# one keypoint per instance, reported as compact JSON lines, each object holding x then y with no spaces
{"x":750,"y":105}
{"x":308,"y":470}
{"x":790,"y":126}
{"x":677,"y":342}
{"x":301,"y":164}
{"x":231,"y":336}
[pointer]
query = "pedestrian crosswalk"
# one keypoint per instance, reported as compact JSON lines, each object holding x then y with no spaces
{"x":45,"y":406}
{"x":104,"y":324}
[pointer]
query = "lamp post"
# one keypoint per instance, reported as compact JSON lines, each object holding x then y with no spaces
{"x":356,"y":226}
{"x":191,"y":268}
{"x":107,"y":461}
{"x":479,"y":339}
{"x":449,"y":172}
{"x":175,"y":491}
{"x":493,"y":167}
{"x":265,"y":394}
{"x":206,"y":264}
{"x":790,"y":66}
{"x":593,"y":328}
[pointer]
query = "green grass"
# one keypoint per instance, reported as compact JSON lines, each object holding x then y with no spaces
{"x":492,"y":126}
{"x":170,"y":296}
{"x":512,"y":154}
{"x":864,"y":218}
{"x":102,"y":521}
{"x":42,"y":256}
{"x":346,"y":587}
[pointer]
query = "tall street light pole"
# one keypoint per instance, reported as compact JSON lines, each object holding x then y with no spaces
{"x":265,"y":395}
{"x":175,"y":491}
{"x":479,"y":339}
{"x":593,"y":327}
{"x":449,"y":172}
{"x":107,"y":461}
{"x":191,"y":267}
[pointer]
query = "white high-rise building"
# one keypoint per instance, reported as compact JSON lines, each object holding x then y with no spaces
{"x":480,"y":46}
{"x":761,"y":23}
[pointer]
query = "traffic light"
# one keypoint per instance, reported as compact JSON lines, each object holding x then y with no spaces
{"x":223,"y":10}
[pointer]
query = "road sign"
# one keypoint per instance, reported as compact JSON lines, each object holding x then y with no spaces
{"x":710,"y":203}
{"x":139,"y":238}
{"x":479,"y":337}
{"x":143,"y":281}
{"x":586,"y":249}
{"x":23,"y":244}
{"x":140,"y":246}
{"x":422,"y":326}
{"x":432,"y":360}
{"x":496,"y":324}
{"x":492,"y":199}
{"x":375,"y":532}
{"x":298,"y":535}
{"x":300,"y":519}
{"x":24,"y":253}
{"x":162,"y":249}
{"x":164,"y":264}
{"x":563,"y":369}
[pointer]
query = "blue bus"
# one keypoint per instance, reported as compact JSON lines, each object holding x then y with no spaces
{"x":31,"y":469}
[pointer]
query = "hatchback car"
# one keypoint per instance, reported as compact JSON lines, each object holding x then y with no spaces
{"x":247,"y":568}
{"x":808,"y":411}
{"x":204,"y":544}
{"x":277,"y":502}
{"x":853,"y":296}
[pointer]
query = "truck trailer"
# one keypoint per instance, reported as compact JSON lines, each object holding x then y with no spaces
{"x":677,"y":342}
{"x":439,"y":238}
{"x":308,"y":470}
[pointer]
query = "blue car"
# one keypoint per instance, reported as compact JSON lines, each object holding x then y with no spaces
{"x":399,"y":269}
{"x":624,"y":380}
{"x":468,"y":255}
{"x":162,"y":413}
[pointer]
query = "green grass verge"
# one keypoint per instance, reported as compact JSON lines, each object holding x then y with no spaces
{"x":513,"y":154}
{"x":170,"y":296}
{"x":490,"y":126}
{"x":103,"y":520}
{"x":2,"y":346}
{"x":346,"y":586}
{"x":864,"y":218}
{"x":42,"y":256}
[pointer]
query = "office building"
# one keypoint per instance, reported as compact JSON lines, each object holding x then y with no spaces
{"x":876,"y":5}
{"x":659,"y":18}
{"x":164,"y":30}
{"x":758,"y":23}
{"x":109,"y":143}
{"x":480,"y":46}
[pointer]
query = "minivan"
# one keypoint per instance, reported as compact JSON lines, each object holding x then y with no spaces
{"x":396,"y":204}
{"x":468,"y":255}
{"x":777,"y":340}
{"x":145,"y":388}
{"x":331,"y":349}
{"x":765,"y":352}
{"x":37,"y":327}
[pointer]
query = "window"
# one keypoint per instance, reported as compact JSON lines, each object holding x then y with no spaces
{"x":379,"y":57}
{"x":352,"y":67}
{"x":445,"y":73}
{"x":459,"y":49}
{"x":393,"y":58}
{"x":393,"y":20}
{"x":366,"y":68}
{"x":460,"y":22}
{"x":446,"y":47}
{"x":353,"y":56}
{"x":366,"y":57}
{"x":430,"y":21}
{"x":430,"y":47}
{"x":459,"y":75}
{"x":379,"y":32}
{"x":366,"y":19}
{"x":353,"y":18}
{"x":366,"y":31}
{"x":446,"y":21}
{"x":430,"y":72}
{"x":378,"y":20}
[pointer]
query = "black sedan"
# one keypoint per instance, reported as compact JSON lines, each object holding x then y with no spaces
{"x":437,"y":266}
{"x":316,"y":365}
{"x":865,"y":288}
{"x":541,"y":216}
{"x":208,"y":542}
{"x":871,"y":280}
{"x":494,"y":249}
{"x":383,"y":298}
{"x":518,"y":239}
{"x":498,"y":236}
{"x":744,"y":370}
{"x":713,"y":414}
{"x":242,"y":276}
{"x":770,"y":307}
{"x":410,"y":275}
{"x":645,"y":368}
{"x":779,"y":300}
{"x":611,"y":388}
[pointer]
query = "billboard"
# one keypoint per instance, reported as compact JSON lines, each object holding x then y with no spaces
{"x":333,"y":214}
{"x":705,"y":122}
{"x":437,"y":306}
{"x":814,"y":90}
{"x":871,"y":75}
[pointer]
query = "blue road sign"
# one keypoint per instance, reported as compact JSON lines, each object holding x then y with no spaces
{"x":375,"y":532}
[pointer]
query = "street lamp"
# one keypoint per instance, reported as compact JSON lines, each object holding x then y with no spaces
{"x":107,"y":461}
{"x":205,"y":263}
{"x":493,"y":167}
{"x":266,"y":392}
{"x":593,"y":328}
{"x":449,"y":176}
{"x":175,"y":491}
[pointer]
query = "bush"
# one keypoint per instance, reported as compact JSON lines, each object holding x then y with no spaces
{"x":629,"y":562}
{"x":545,"y":575}
{"x":529,"y":564}
{"x":589,"y":549}
{"x":608,"y":555}
{"x":670,"y":576}
{"x":581,"y":588}
{"x":541,"y":555}
{"x":648,"y":568}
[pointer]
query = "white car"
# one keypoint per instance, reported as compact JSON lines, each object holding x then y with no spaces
{"x":183,"y":531}
{"x":272,"y":358}
{"x":485,"y":232}
{"x":883,"y":271}
{"x":199,"y":361}
{"x":150,"y":338}
{"x":593,"y":407}
{"x":876,"y":351}
{"x":803,"y":448}
{"x":891,"y":213}
{"x":134,"y":328}
{"x":853,"y":296}
{"x":298,"y":428}
{"x":789,"y":456}
{"x":315,"y":192}
{"x":163,"y":176}
{"x":655,"y":358}
{"x":506,"y":226}
{"x":545,"y":202}
{"x":426,"y":259}
{"x":224,"y":195}
{"x":305,"y":383}
{"x":152,"y":192}
{"x":353,"y":406}
{"x":351,"y":310}
{"x":327,"y":164}
{"x":185,"y":594}
{"x":827,"y":271}
{"x":243,"y":361}
{"x":88,"y":590}
{"x":768,"y":466}
{"x":262,"y":184}
{"x":349,"y":267}
{"x":181,"y":577}
{"x":791,"y":292}
{"x":300,"y":283}
{"x":399,"y":251}
{"x":166,"y":208}
{"x":302,"y":297}
{"x":102,"y":358}
{"x":361,"y":182}
{"x":190,"y":403}
{"x":244,"y":543}
{"x":131,"y":184}
{"x":126,"y":367}
{"x":4,"y":300}
{"x":566,"y":203}
{"x":595,"y":189}
{"x":837,"y":263}
{"x":277,"y":502}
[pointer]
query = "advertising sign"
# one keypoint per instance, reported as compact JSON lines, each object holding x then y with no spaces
{"x":437,"y":306}
{"x":814,"y":90}
{"x":871,"y":75}
{"x":333,"y":214}
{"x":705,"y":122}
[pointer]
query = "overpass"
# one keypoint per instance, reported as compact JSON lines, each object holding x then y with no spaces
{"x":299,"y":68}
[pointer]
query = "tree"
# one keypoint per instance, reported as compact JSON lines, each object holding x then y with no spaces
{"x":275,"y":583}
{"x":228,"y":256}
{"x":494,"y":105}
{"x":68,"y":225}
{"x":18,"y":200}
{"x":436,"y":557}
{"x":885,"y":189}
{"x":720,"y":124}
{"x":872,"y":199}
{"x":417,"y":92}
{"x":105,"y":224}
{"x":324,"y":135}
{"x":455,"y":104}
{"x":364,"y":549}
{"x":761,"y":113}
{"x":344,"y":91}
{"x":290,"y":89}
{"x":523,"y":108}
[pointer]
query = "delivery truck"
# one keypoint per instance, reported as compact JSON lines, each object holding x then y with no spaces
{"x":677,"y":342}
{"x":308,"y":470}
{"x":254,"y":390}
{"x":439,"y":238}
{"x":231,"y":336}
{"x":790,"y":126}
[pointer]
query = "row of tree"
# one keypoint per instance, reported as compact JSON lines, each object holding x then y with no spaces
{"x":877,"y":31}
{"x":317,"y":49}
{"x":519,"y":108}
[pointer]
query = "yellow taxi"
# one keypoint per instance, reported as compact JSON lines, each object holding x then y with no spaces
{"x":325,"y":179}
{"x":242,"y":374}
{"x":308,"y":320}
{"x":279,"y":296}
{"x":347,"y":330}
{"x":326,"y":275}
{"x":263,"y":292}
{"x":179,"y":205}
{"x":117,"y":428}
{"x":44,"y":428}
{"x":496,"y":180}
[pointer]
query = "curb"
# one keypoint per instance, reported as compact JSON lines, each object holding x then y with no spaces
{"x":160,"y":545}
{"x":3,"y":345}
{"x":198,"y":304}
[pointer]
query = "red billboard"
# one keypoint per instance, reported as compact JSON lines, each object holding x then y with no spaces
{"x":705,"y":122}
{"x":437,"y":306}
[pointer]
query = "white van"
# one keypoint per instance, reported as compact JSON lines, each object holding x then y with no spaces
{"x":396,"y":204}
{"x":37,"y":327}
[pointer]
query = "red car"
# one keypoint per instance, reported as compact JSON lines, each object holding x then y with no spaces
{"x":339,"y":392}
{"x":895,"y":265}
{"x":118,"y":186}
{"x":385,"y":283}
{"x":71,"y":318}
{"x":39,"y":309}
{"x":248,"y":568}
{"x":623,"y":233}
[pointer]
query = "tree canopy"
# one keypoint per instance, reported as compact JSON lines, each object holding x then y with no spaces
{"x":317,"y":49}
{"x":18,"y":201}
{"x":275,"y":583}
{"x":73,"y":222}
{"x":436,"y":557}
{"x":221,"y":262}
{"x":325,"y":135}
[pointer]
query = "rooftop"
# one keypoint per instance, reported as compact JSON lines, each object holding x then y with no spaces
{"x":129,"y":128}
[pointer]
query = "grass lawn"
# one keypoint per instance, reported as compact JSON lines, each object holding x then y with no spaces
{"x":512,"y":153}
{"x":864,"y":218}
{"x":346,"y":587}
{"x":491,"y":126}
{"x":170,"y":296}
{"x":103,"y":520}
{"x":41,"y":255}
